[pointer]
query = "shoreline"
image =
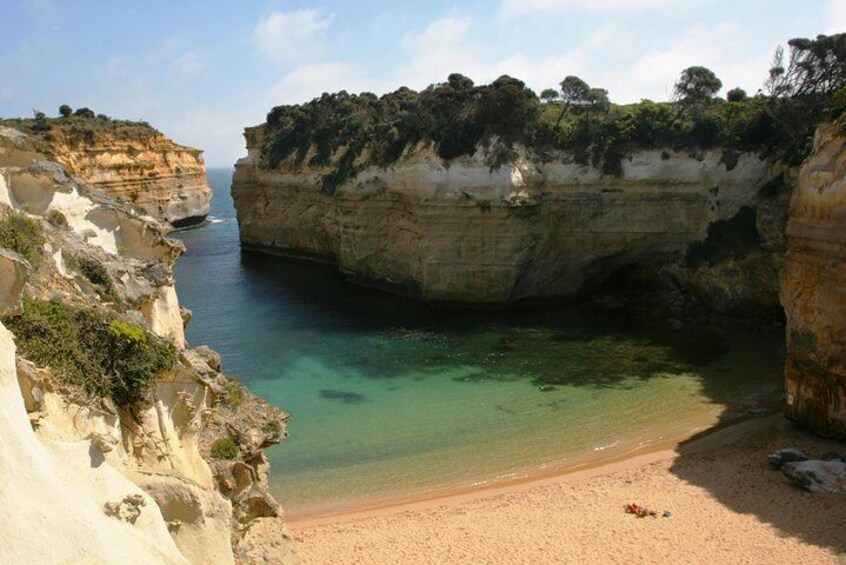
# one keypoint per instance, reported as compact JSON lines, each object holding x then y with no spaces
{"x":716,"y":498}
{"x":587,"y":467}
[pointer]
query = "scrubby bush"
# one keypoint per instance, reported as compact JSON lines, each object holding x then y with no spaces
{"x":90,"y":349}
{"x":22,"y":235}
{"x":91,"y":269}
{"x":224,"y":448}
{"x":57,"y":219}
{"x":345,"y":131}
{"x":65,"y":110}
{"x":81,"y":127}
{"x":234,"y":392}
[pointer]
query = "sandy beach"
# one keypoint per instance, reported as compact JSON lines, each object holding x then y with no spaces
{"x":726,"y":505}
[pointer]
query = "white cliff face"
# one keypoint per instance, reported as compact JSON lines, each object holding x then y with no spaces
{"x":150,"y":492}
{"x":161,"y":311}
{"x":465,"y":232}
{"x":43,"y":188}
{"x":56,"y":492}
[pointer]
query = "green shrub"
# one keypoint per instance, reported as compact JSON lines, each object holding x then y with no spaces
{"x":91,"y":269}
{"x":57,"y":218}
{"x":94,"y":271}
{"x":22,"y":235}
{"x":348,"y":130}
{"x":90,"y":349}
{"x":234,"y":392}
{"x":225,"y":448}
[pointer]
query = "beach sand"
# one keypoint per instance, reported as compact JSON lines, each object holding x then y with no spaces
{"x":727,"y":506}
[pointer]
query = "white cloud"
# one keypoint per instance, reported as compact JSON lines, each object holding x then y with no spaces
{"x":653,"y":74}
{"x":835,"y":16}
{"x":292,"y":36}
{"x":310,"y":81}
{"x":522,"y":7}
{"x":188,"y":65}
{"x":441,"y":48}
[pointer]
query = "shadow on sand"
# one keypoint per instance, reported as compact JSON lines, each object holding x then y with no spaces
{"x":731,"y":465}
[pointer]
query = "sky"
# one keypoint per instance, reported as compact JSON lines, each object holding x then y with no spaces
{"x":201,"y":71}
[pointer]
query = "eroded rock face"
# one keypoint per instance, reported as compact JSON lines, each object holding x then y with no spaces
{"x":13,"y":275}
{"x":165,"y":179}
{"x":465,"y":232}
{"x":62,"y":504}
{"x":159,"y":447}
{"x":813,"y":288}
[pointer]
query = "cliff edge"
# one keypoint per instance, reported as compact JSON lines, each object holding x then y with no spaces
{"x":130,"y":161}
{"x":125,"y":444}
{"x":814,"y":288}
{"x":464,"y":231}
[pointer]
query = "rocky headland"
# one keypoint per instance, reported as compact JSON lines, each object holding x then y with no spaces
{"x":490,"y":195}
{"x":467,"y":233}
{"x":130,"y":161}
{"x":123,"y":444}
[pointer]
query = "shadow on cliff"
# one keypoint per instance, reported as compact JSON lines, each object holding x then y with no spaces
{"x":732,"y":466}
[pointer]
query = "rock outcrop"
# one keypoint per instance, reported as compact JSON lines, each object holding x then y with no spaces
{"x":134,"y":163}
{"x":814,"y":288}
{"x":466,"y":232}
{"x":120,"y":484}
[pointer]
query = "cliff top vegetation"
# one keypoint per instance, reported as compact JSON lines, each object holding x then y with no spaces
{"x":81,"y":123}
{"x":347,"y":131}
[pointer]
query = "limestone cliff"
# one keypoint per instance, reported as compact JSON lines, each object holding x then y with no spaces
{"x":814,"y":288}
{"x":131,"y":162}
{"x":111,"y":483}
{"x":464,"y":231}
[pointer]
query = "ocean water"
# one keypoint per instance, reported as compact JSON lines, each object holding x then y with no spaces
{"x":392,"y":399}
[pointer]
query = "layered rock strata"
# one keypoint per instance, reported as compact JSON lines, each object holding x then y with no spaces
{"x":814,"y":288}
{"x":112,"y":484}
{"x":466,"y":232}
{"x":163,"y":178}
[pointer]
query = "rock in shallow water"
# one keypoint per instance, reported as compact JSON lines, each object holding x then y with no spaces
{"x":818,"y":476}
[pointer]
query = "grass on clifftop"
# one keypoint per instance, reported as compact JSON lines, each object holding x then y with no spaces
{"x":86,"y":128}
{"x":87,"y":348}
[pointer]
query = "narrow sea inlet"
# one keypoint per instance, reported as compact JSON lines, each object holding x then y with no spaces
{"x":392,"y":399}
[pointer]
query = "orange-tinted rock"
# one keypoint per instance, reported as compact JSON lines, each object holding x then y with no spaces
{"x":165,"y":179}
{"x":813,"y":289}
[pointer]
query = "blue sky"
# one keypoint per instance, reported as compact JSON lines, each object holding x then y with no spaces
{"x":201,"y":71}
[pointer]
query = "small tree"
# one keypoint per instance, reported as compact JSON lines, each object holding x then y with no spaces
{"x":460,"y":82}
{"x":39,"y":115}
{"x":736,"y":95}
{"x":815,"y":66}
{"x":573,"y":91}
{"x":597,"y":100}
{"x":697,"y":84}
{"x":85,"y":113}
{"x":65,"y":110}
{"x":549,"y":95}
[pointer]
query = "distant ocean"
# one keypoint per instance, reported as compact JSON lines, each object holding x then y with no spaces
{"x":393,"y":399}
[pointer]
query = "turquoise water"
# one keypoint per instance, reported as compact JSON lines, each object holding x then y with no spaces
{"x":392,"y":399}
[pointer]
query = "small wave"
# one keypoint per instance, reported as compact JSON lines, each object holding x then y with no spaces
{"x":609,"y":446}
